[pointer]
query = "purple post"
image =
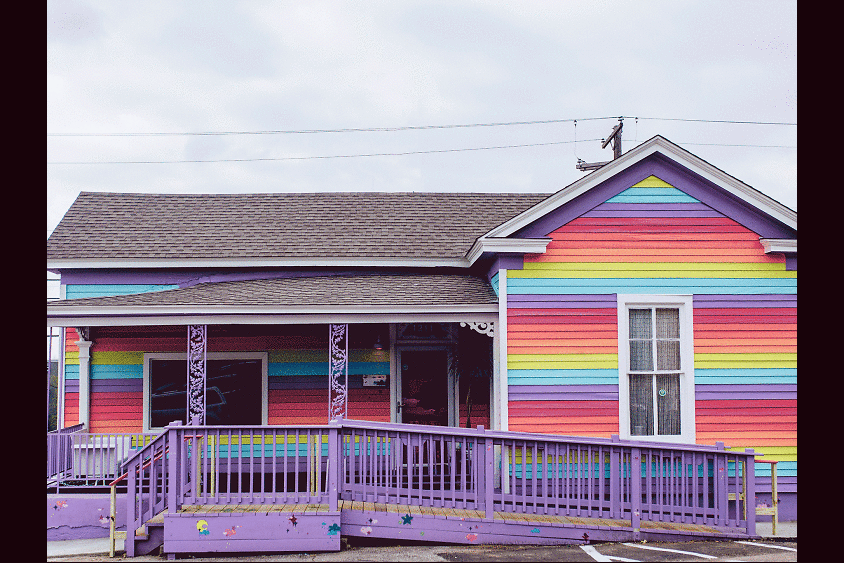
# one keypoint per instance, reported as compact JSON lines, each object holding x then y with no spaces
{"x":615,"y":497}
{"x":636,"y":492}
{"x":173,"y":442}
{"x":488,"y":472}
{"x":333,"y":469}
{"x":750,"y":491}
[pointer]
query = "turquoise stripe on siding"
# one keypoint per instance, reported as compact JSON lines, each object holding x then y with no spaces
{"x":784,"y":469}
{"x":707,"y":286}
{"x":321,"y":368}
{"x":107,"y":290}
{"x":71,"y":371}
{"x":746,"y":376}
{"x":562,"y":376}
{"x":652,"y":195}
{"x":133,"y":371}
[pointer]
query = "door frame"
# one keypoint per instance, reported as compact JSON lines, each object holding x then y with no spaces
{"x":451,"y":388}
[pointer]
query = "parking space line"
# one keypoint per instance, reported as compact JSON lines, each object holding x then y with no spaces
{"x":767,"y":545}
{"x":704,"y":556}
{"x":593,"y":553}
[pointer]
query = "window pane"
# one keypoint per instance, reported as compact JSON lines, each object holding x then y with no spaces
{"x":668,"y":323}
{"x":641,"y":355}
{"x":168,"y":385}
{"x":233,"y":392}
{"x":668,"y":404}
{"x":640,"y":323}
{"x":668,"y":354}
{"x":641,"y":405}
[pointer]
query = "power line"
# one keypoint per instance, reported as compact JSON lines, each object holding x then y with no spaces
{"x":328,"y":156}
{"x":716,"y":121}
{"x":409,"y":127}
{"x":349,"y":130}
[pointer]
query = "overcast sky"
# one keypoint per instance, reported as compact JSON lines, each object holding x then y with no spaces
{"x":167,"y":69}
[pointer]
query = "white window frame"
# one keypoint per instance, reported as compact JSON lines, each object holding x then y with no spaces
{"x":263,"y":356}
{"x":684,"y":303}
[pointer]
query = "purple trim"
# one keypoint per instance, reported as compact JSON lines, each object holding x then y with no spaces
{"x":790,"y":263}
{"x":552,"y":301}
{"x":744,"y":301}
{"x":187,"y":278}
{"x":675,"y":174}
{"x":133,"y":385}
{"x":505,"y":262}
{"x":706,"y":392}
{"x":563,"y":392}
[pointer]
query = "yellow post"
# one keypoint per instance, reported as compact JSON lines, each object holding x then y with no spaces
{"x":775,"y":501}
{"x":213,"y":453}
{"x":112,"y":513}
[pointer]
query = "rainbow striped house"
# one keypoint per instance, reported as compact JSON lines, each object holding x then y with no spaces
{"x":654,"y":299}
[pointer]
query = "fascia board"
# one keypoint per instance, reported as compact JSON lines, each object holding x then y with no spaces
{"x":388,"y":315}
{"x":776,"y":245}
{"x":507,"y":245}
{"x":655,"y":145}
{"x":89,"y":263}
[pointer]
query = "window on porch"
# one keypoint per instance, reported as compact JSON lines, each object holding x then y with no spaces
{"x":233,"y":391}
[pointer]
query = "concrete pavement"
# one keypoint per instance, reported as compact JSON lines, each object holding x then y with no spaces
{"x":99,"y":547}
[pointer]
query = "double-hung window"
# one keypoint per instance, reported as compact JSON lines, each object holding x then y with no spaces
{"x":656,"y":367}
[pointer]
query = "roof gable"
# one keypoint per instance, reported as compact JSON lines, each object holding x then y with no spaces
{"x":642,"y":174}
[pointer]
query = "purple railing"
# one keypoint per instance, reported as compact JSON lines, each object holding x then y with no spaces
{"x":76,"y":458}
{"x":473,"y":469}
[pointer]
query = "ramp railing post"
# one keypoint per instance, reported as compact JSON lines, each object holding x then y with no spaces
{"x":488,"y":469}
{"x":332,"y":470}
{"x":750,"y":496}
{"x":636,"y":492}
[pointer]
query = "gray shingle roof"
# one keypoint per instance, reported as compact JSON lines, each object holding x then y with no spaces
{"x":280,"y":225}
{"x":340,"y":290}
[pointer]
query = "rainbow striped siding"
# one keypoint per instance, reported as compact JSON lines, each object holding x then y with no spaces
{"x":653,"y":238}
{"x":297,"y":374}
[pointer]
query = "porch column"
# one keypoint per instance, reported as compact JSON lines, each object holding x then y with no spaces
{"x":197,"y":357}
{"x":338,"y":371}
{"x":84,"y":382}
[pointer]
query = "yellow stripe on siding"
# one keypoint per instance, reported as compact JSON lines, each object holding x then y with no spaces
{"x":117,"y":358}
{"x":355,"y":355}
{"x":647,"y":270}
{"x":671,"y":266}
{"x":652,"y":182}
{"x":71,"y":358}
{"x":751,"y":360}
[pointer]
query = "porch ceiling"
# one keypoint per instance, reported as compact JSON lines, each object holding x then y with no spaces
{"x":316,"y":295}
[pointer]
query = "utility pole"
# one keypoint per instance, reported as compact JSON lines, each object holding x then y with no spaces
{"x":615,"y":138}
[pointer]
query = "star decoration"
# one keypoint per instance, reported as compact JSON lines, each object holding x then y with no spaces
{"x":406,"y":519}
{"x":293,"y":520}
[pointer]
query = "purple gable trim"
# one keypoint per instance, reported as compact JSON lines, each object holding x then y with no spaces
{"x":675,"y":174}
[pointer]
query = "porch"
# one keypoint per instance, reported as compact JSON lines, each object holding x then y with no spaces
{"x":204,"y":489}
